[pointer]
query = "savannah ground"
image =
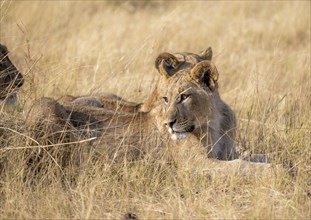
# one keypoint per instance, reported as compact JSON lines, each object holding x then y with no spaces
{"x":262,"y":51}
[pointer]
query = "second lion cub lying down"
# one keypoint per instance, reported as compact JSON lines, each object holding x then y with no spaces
{"x":185,"y":103}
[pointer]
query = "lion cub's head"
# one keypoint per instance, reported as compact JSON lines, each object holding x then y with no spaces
{"x":184,"y":96}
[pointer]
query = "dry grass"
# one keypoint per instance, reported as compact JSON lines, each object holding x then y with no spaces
{"x":262,"y":51}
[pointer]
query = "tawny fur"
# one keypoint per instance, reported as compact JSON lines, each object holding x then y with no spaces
{"x":102,"y":100}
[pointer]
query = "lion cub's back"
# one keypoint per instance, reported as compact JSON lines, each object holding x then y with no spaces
{"x":103,"y":100}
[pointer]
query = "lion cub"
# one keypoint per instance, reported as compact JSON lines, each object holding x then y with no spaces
{"x":185,"y":102}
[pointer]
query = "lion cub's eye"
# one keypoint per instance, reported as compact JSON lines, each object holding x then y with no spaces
{"x":165,"y":100}
{"x":184,"y":97}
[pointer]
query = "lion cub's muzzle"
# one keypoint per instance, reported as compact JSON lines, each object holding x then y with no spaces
{"x":179,"y":130}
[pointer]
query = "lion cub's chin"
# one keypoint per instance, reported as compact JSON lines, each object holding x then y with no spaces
{"x":176,"y":136}
{"x":179,"y":136}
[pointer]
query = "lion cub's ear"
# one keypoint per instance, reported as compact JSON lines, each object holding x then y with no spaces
{"x":205,"y":72}
{"x":167,"y":64}
{"x":207,"y":54}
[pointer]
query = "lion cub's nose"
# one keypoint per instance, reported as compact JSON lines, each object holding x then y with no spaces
{"x":170,"y":123}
